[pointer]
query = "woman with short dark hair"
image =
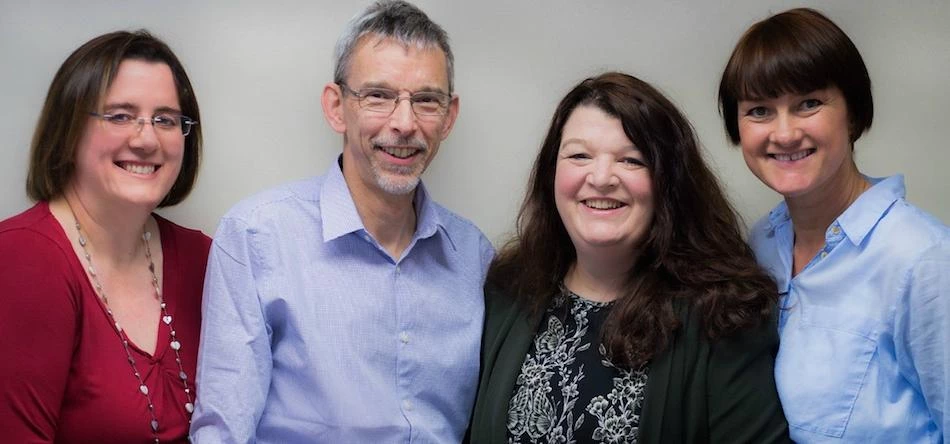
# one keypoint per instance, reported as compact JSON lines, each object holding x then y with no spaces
{"x":862,"y":274}
{"x":99,"y":297}
{"x":627,"y":308}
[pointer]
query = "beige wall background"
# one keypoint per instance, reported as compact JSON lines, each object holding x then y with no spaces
{"x":258,"y":69}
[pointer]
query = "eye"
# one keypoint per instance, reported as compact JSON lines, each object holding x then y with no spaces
{"x":633,"y":161}
{"x":378,"y":94}
{"x":810,"y":104}
{"x":119,"y":118}
{"x":427,"y":98}
{"x":757,"y":112}
{"x":166,"y":121}
{"x":578,"y":156}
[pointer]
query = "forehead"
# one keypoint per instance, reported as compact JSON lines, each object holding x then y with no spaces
{"x":594,"y":128}
{"x":384,"y":61}
{"x":142,"y":83}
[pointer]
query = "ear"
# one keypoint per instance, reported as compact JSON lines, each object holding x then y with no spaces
{"x":450,"y":117}
{"x":332,"y":101}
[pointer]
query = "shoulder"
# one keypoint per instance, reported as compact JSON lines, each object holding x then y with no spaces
{"x":467,"y":239}
{"x":909,"y":234}
{"x":37,"y":263}
{"x":33,"y":233}
{"x":190,"y":236}
{"x":456,"y":225}
{"x":498,"y":302}
{"x":290,"y":200}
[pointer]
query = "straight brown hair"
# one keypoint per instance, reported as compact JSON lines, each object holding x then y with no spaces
{"x":78,"y":88}
{"x":795,"y":52}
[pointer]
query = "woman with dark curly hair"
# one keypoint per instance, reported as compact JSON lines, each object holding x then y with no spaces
{"x":862,"y":273}
{"x":627,"y":308}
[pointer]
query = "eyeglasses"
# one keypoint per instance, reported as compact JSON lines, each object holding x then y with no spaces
{"x":384,"y":101}
{"x":163,"y":123}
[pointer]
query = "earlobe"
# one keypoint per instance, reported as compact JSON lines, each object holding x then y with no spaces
{"x":332,"y":102}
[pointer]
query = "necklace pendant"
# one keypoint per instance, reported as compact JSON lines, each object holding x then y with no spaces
{"x":167,"y":319}
{"x":144,"y":389}
{"x":175,"y":345}
{"x":189,"y":407}
{"x":154,"y":425}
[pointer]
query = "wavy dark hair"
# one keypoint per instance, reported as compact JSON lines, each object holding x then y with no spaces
{"x":693,"y":252}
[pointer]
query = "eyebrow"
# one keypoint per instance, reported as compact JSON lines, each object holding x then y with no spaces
{"x":583,"y":142}
{"x":383,"y":85}
{"x":133,"y":107}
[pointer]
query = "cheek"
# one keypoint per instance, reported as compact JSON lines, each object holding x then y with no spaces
{"x":568,"y":181}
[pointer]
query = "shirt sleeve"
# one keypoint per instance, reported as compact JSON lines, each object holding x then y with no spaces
{"x":922,"y":329}
{"x":743,"y":401}
{"x":234,"y":357}
{"x":38,"y":321}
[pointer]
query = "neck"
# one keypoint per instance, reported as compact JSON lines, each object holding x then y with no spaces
{"x":814,"y":213}
{"x":390,"y":219}
{"x":116,"y":235}
{"x":598,"y":277}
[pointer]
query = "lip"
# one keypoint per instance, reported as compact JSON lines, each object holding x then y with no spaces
{"x":399,"y":154}
{"x":138,"y":169}
{"x":792,"y":157}
{"x":608,"y":205}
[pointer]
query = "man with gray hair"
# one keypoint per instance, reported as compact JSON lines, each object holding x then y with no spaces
{"x":348,"y":307}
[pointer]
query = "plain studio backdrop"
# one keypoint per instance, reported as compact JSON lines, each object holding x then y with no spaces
{"x":258,"y":69}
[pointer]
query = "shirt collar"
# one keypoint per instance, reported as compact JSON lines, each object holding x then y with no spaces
{"x":858,"y":220}
{"x":779,"y":216}
{"x":339,"y":215}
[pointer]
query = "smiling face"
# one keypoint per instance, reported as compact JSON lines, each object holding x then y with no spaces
{"x":382,"y":153}
{"x":798,"y":144}
{"x":602,"y":187}
{"x":122,"y":165}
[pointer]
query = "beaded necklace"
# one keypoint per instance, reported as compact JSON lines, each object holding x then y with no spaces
{"x":166,"y":318}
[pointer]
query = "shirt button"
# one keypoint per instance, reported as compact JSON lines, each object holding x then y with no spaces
{"x":407,"y":405}
{"x":824,"y":254}
{"x":404,"y":337}
{"x":835,"y":230}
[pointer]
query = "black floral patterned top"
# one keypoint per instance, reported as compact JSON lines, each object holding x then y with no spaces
{"x":568,"y":390}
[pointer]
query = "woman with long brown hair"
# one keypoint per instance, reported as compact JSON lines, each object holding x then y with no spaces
{"x":627,"y":308}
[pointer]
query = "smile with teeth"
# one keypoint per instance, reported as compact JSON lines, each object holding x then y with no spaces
{"x":400,"y":152}
{"x":602,"y":204}
{"x":799,"y":155}
{"x":137,"y":169}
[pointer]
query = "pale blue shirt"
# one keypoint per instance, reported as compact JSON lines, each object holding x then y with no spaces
{"x":313,"y":333}
{"x":865,"y":327}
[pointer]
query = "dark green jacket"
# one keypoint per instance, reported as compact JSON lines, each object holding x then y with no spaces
{"x":697,"y":391}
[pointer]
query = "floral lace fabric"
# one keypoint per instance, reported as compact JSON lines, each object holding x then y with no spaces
{"x":568,"y":390}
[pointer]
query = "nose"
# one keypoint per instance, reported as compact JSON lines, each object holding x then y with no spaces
{"x":144,"y":138}
{"x":787,"y":132}
{"x":602,"y":174}
{"x":403,"y":119}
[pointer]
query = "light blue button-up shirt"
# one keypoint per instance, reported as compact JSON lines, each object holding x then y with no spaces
{"x":865,"y":327}
{"x":312,"y":333}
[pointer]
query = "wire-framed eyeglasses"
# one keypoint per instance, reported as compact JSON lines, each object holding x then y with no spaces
{"x":425,"y":104}
{"x":163,"y":122}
